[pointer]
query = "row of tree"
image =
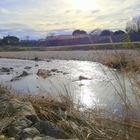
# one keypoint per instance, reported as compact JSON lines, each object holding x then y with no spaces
{"x":9,"y":40}
{"x":131,"y":27}
{"x":98,"y":32}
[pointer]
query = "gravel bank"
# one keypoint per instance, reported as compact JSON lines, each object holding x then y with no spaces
{"x":94,"y":55}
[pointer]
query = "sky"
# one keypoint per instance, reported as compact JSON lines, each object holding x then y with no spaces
{"x":39,"y":18}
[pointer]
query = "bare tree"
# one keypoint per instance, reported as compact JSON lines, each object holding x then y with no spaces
{"x":133,"y":26}
{"x":138,"y":25}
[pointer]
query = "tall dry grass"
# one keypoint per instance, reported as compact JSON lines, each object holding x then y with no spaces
{"x":94,"y":123}
{"x":87,"y":123}
{"x":84,"y":123}
{"x":79,"y":121}
{"x":122,"y":62}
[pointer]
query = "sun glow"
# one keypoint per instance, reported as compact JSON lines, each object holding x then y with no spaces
{"x":86,"y":4}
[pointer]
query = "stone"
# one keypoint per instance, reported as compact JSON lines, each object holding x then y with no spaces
{"x":33,"y":118}
{"x":83,"y":78}
{"x":48,"y":60}
{"x":17,"y":126}
{"x":22,"y":122}
{"x":36,"y":59}
{"x":27,"y":67}
{"x":48,"y":129}
{"x":59,"y":71}
{"x":65,"y":73}
{"x":24,"y":73}
{"x":81,"y":85}
{"x":28,"y":139}
{"x":38,"y":138}
{"x":54,"y":70}
{"x":2,"y":137}
{"x":12,"y":131}
{"x":44,"y":138}
{"x":43,"y":73}
{"x":11,"y":139}
{"x":9,"y":107}
{"x":28,"y":133}
{"x":4,"y":69}
{"x":49,"y":138}
{"x":13,"y":113}
{"x":11,"y":68}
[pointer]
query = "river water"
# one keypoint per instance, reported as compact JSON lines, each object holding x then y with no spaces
{"x":100,"y":86}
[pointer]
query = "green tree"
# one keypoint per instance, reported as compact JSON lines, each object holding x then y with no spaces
{"x":106,"y":33}
{"x":119,"y":32}
{"x":10,"y":40}
{"x":79,"y":32}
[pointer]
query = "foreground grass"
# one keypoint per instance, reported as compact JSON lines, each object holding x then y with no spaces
{"x":87,"y":124}
{"x":79,"y":121}
{"x":121,"y":45}
{"x":90,"y":123}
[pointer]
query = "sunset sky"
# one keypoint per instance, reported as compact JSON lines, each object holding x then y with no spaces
{"x":37,"y":18}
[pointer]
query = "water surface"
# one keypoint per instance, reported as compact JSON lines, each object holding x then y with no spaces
{"x":100,"y":88}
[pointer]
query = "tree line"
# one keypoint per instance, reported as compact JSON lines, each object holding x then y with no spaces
{"x":9,"y":40}
{"x":132,"y":29}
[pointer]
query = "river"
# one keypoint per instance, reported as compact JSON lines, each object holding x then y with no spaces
{"x":88,"y":83}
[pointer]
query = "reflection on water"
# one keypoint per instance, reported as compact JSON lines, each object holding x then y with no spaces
{"x":99,"y":88}
{"x":88,"y":96}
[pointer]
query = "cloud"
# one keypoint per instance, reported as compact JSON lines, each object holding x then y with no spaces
{"x":4,"y":11}
{"x":42,"y":16}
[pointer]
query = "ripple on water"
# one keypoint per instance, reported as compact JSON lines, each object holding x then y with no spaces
{"x":100,"y":89}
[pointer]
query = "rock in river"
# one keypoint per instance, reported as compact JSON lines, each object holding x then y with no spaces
{"x":54,"y":70}
{"x":27,"y":67}
{"x":83,"y":78}
{"x":24,"y":73}
{"x":43,"y":73}
{"x":4,"y":69}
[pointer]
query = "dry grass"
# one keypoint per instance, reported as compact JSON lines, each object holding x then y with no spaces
{"x":87,"y":124}
{"x":98,"y":46}
{"x":79,"y":121}
{"x":122,"y":62}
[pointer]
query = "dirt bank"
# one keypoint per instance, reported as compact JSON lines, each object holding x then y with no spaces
{"x":94,"y":55}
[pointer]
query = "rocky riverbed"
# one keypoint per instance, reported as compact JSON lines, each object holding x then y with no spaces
{"x":39,"y":117}
{"x":42,"y":118}
{"x":20,"y":121}
{"x":88,"y":83}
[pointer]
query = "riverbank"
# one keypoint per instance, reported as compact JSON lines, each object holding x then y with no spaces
{"x":92,"y":55}
{"x":112,"y":58}
{"x":29,"y":116}
{"x":81,"y":47}
{"x":41,"y":118}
